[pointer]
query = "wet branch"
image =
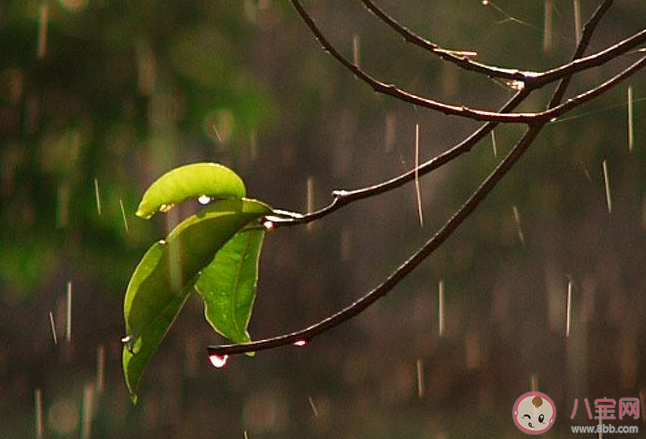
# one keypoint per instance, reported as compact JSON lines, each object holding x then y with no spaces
{"x":344,"y":197}
{"x":532,"y":80}
{"x":467,"y":112}
{"x":307,"y":334}
{"x":453,"y":223}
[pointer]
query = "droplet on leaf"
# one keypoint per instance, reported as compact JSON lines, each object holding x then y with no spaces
{"x":165,"y":207}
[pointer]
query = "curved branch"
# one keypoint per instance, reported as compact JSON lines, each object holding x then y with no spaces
{"x":401,"y":272}
{"x":531,"y":79}
{"x":448,"y":55}
{"x":344,"y":197}
{"x":430,"y":246}
{"x":341,"y":197}
{"x":394,"y":91}
{"x":307,"y":334}
{"x":466,"y":112}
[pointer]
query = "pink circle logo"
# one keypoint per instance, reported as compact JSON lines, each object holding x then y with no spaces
{"x":534,"y":413}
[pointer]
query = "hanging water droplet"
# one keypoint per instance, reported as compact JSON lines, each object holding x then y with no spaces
{"x":300,"y":343}
{"x":204,"y":199}
{"x":515,"y":85}
{"x":268,"y":225}
{"x":218,"y":361}
{"x":166,"y":207}
{"x":132,"y":343}
{"x":162,"y":242}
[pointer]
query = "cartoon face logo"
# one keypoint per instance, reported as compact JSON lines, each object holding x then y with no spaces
{"x":534,"y":413}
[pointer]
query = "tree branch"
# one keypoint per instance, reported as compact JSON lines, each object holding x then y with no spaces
{"x":448,"y":55}
{"x":344,"y":197}
{"x":307,"y":334}
{"x":532,"y":80}
{"x":463,"y":111}
{"x":443,"y":234}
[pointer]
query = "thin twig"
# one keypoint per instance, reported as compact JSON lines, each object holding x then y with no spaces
{"x":417,"y":258}
{"x":467,"y":112}
{"x":448,"y":55}
{"x":428,"y":248}
{"x":531,"y":79}
{"x":344,"y":197}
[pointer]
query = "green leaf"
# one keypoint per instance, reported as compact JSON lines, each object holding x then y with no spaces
{"x":165,"y":276}
{"x":228,"y":285}
{"x":190,"y":181}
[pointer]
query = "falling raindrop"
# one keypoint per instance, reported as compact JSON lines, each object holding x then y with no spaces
{"x":97,"y":195}
{"x":568,"y":310}
{"x":577,"y":19}
{"x":100,"y":369}
{"x":420,"y":378}
{"x":68,"y":320}
{"x":440,"y":307}
{"x":53,"y":327}
{"x":519,"y":229}
{"x":123,"y":216}
{"x":356,"y":50}
{"x":218,"y":361}
{"x":204,"y":199}
{"x":418,"y":190}
{"x":606,"y":181}
{"x":38,"y":406}
{"x":43,"y":20}
{"x":314,"y":409}
{"x":547,"y":27}
{"x":631,"y":127}
{"x":300,"y":343}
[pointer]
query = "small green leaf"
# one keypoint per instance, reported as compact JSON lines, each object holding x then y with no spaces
{"x":228,"y":285}
{"x":190,"y":181}
{"x":165,"y":276}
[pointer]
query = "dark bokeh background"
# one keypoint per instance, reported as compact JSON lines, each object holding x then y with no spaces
{"x":108,"y":94}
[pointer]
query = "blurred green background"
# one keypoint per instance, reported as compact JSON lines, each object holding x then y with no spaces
{"x":98,"y":97}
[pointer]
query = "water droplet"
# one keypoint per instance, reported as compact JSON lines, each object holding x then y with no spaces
{"x":268,"y":225}
{"x":300,"y":343}
{"x":132,"y":343}
{"x":204,"y":199}
{"x":515,"y":85}
{"x":218,"y":361}
{"x":339,"y":193}
{"x":162,"y":242}
{"x":166,"y":207}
